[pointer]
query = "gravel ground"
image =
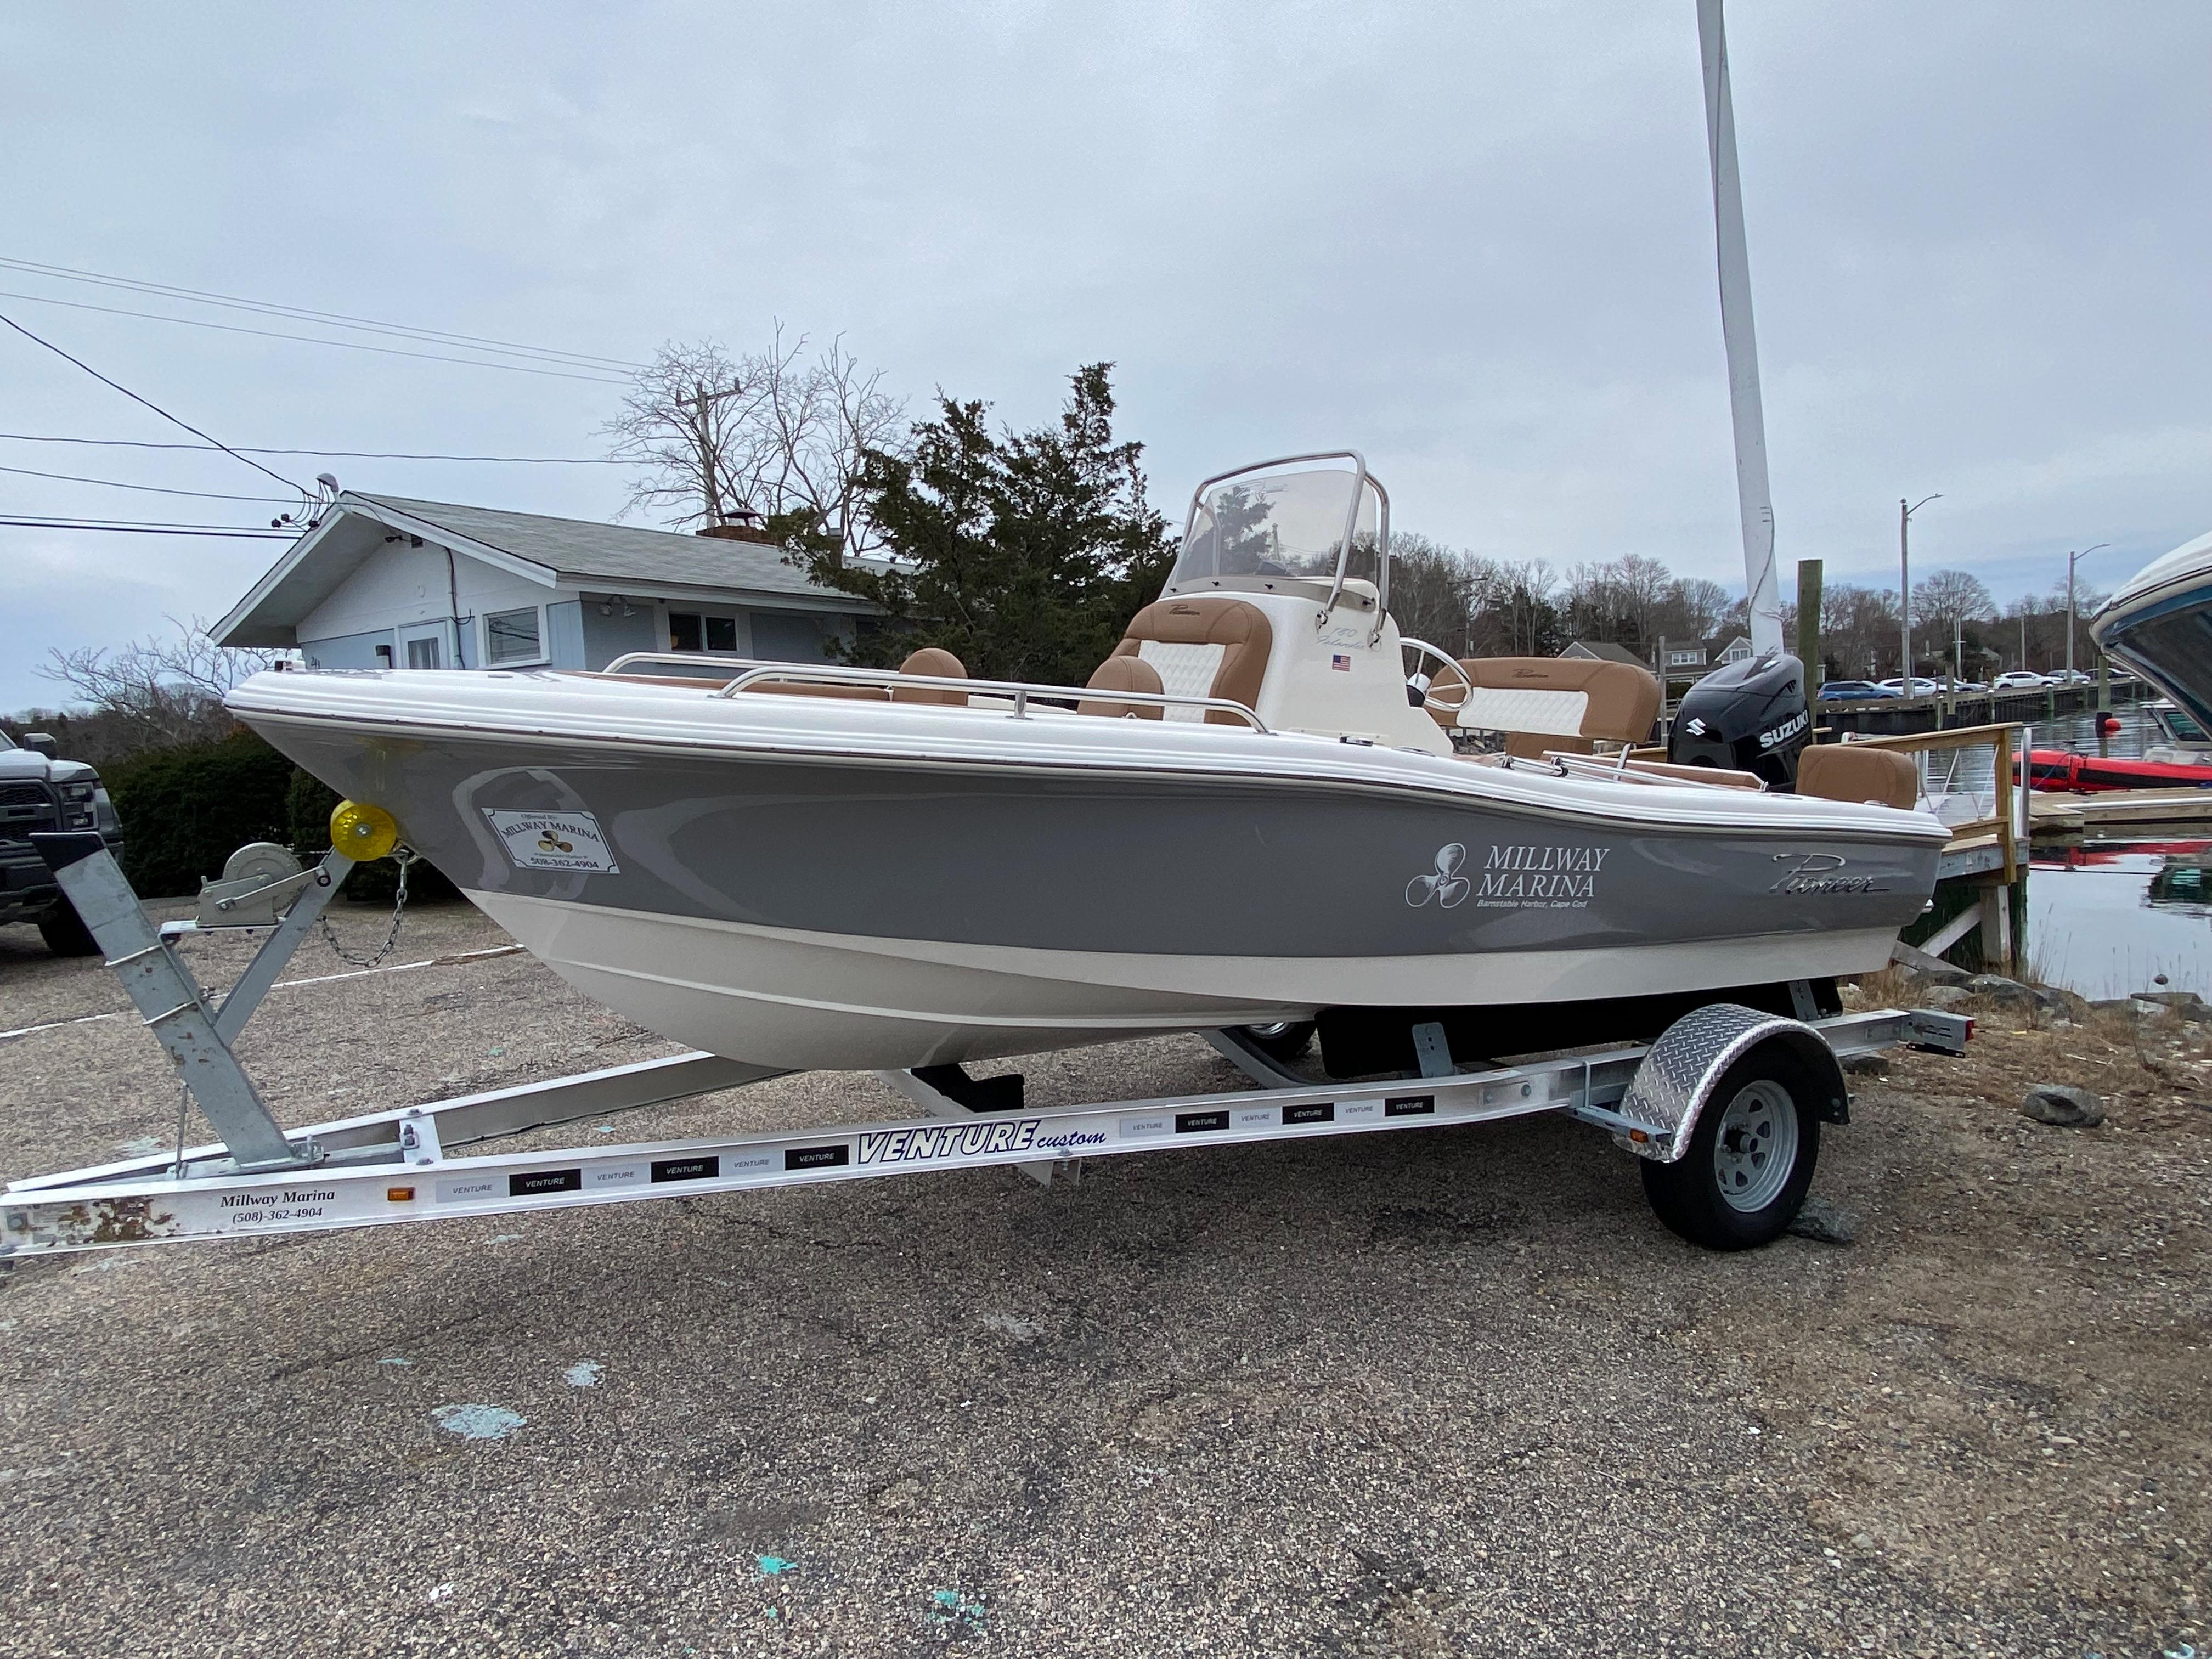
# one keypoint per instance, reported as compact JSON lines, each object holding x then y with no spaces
{"x":1439,"y":1393}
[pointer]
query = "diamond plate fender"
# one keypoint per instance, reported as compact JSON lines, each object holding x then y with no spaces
{"x":1671,"y":1085}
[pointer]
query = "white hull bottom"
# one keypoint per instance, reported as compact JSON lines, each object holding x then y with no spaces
{"x":781,"y":997}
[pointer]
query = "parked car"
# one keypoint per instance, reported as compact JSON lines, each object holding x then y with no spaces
{"x":2068,"y":676}
{"x":1853,"y":691}
{"x":2018,"y":679}
{"x":1921,"y":688}
{"x":39,"y":791}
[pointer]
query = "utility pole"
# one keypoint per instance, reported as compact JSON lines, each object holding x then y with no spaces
{"x":1904,"y":584}
{"x":2073,"y":559}
{"x":1755,"y":499}
{"x":710,"y":482}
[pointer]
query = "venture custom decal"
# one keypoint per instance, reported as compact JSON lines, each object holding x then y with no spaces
{"x":884,"y":1146}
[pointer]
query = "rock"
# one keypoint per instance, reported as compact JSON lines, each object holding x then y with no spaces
{"x":2135,"y":1007}
{"x":1867,"y":1065}
{"x":1995,"y":988}
{"x":1946,"y":996}
{"x":2062,"y":1106}
{"x":2054,"y":999}
{"x":1825,"y":1223}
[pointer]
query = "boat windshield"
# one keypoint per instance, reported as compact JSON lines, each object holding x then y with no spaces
{"x":1262,"y":525}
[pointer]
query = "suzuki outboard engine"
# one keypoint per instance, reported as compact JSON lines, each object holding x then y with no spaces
{"x":1745,"y":717}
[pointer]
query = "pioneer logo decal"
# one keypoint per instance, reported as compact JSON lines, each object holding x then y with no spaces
{"x":1816,"y":872}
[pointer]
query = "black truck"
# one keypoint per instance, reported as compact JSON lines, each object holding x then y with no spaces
{"x":41,"y":791}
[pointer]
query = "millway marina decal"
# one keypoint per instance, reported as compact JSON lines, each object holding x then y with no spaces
{"x":887,"y":1146}
{"x":1815,"y":872}
{"x":552,"y":841}
{"x":1524,"y":875}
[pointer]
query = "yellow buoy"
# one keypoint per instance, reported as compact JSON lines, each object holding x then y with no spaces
{"x":361,"y":831}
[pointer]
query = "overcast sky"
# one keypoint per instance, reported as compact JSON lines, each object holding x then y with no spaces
{"x":1474,"y":242}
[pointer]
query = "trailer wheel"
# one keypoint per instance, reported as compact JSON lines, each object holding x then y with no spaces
{"x":64,"y":932}
{"x":1750,"y":1158}
{"x":1285,"y":1039}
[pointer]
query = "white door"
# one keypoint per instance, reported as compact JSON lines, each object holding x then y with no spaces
{"x":426,"y":645}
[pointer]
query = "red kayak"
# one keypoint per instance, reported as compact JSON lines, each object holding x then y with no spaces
{"x":2062,"y":771}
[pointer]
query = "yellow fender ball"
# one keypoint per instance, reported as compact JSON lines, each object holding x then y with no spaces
{"x":363,"y":832}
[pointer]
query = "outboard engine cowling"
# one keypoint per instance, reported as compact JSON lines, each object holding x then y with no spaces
{"x":1745,"y":717}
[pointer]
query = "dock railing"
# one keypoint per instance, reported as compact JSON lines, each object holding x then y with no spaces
{"x":1969,"y":777}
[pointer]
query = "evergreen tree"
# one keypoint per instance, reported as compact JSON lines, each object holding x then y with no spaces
{"x":1023,"y":554}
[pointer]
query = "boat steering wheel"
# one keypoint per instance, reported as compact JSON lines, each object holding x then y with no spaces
{"x":1430,"y":699}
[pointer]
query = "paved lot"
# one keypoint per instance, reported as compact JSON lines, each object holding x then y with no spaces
{"x":1453,"y":1392}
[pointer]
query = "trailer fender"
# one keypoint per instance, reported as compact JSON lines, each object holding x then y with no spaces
{"x":1671,"y":1085}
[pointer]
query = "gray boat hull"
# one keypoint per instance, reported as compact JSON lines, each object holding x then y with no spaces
{"x":839,"y":911}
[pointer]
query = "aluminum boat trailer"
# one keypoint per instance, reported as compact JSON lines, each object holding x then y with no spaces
{"x":1724,"y":1108}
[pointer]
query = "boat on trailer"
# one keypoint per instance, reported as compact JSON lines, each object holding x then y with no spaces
{"x":1250,"y":822}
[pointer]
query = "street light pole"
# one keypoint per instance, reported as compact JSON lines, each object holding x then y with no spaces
{"x":2073,"y":559}
{"x":1904,"y":586}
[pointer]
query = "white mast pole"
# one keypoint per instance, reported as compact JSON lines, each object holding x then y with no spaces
{"x":1754,"y":500}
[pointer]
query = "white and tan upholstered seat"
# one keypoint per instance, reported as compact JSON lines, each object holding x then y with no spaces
{"x":1569,"y":704}
{"x":1202,"y":646}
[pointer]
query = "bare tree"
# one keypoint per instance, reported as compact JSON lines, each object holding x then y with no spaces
{"x":163,"y":690}
{"x":776,"y":436}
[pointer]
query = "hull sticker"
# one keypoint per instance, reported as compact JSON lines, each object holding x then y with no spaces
{"x":552,"y":841}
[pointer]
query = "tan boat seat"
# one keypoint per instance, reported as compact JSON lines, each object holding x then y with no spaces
{"x":939,"y":663}
{"x":929,"y":660}
{"x":1201,"y":646}
{"x":1857,"y":772}
{"x":1570,"y":704}
{"x":1123,"y":674}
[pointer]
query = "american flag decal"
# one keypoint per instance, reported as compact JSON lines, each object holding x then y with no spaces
{"x":1343,"y":664}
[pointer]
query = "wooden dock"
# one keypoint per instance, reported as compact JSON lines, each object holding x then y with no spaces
{"x":2121,"y":814}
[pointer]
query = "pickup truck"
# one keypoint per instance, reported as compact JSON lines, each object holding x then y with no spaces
{"x":41,"y":791}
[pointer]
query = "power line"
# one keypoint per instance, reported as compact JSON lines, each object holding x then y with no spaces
{"x":328,"y":454}
{"x":149,"y":403}
{"x":233,"y":302}
{"x":138,"y":527}
{"x":310,"y":339}
{"x":154,"y":489}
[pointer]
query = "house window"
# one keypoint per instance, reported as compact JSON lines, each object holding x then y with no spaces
{"x":425,"y":654}
{"x":692,"y":630}
{"x":514,"y":637}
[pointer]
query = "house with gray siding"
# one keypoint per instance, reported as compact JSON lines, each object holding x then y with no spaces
{"x":382,"y":581}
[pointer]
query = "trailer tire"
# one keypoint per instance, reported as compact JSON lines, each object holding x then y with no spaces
{"x":64,"y":932}
{"x":1750,"y":1160}
{"x":1285,"y":1040}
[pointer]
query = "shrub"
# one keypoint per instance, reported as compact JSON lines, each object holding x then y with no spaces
{"x":185,"y":809}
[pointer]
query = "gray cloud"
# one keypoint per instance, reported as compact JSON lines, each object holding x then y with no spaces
{"x":1474,"y":242}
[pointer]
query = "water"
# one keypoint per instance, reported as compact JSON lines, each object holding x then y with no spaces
{"x":2106,"y":919}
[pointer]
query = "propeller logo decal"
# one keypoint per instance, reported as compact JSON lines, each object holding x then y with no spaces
{"x":1444,"y":884}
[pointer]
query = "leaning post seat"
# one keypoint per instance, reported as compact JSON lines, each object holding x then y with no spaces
{"x":1200,"y":647}
{"x":1570,"y":704}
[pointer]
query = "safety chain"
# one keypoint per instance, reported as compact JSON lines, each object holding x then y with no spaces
{"x":405,"y":857}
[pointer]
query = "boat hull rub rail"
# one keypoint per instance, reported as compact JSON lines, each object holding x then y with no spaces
{"x":420,"y":1181}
